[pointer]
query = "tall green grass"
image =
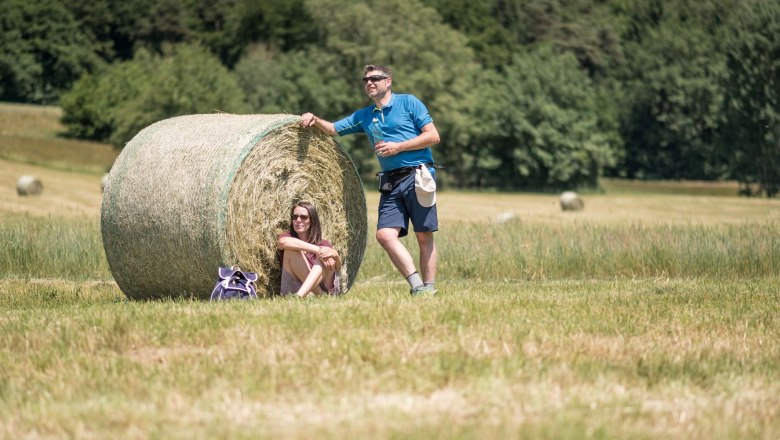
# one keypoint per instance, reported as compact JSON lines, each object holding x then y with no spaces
{"x":72,"y":249}
{"x":51,"y":247}
{"x":518,"y":251}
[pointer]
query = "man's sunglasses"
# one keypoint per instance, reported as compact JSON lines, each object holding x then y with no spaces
{"x":303,"y":217}
{"x":373,"y":78}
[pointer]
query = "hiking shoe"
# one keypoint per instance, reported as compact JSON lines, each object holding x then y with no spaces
{"x":423,"y":290}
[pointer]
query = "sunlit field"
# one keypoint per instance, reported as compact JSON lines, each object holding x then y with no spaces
{"x":651,"y":313}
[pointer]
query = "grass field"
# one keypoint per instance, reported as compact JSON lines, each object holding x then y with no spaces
{"x":652,"y":313}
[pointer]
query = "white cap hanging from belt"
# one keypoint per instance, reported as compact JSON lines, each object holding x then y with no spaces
{"x":424,"y":187}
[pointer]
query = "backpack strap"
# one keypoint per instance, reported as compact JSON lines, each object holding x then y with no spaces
{"x":227,"y":272}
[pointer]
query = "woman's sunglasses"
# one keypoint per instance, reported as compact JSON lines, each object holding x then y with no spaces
{"x":303,"y":217}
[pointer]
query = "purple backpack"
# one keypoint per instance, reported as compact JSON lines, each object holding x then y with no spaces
{"x":233,"y":283}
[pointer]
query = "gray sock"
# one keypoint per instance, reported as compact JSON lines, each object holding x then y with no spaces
{"x":415,"y":280}
{"x":431,"y":284}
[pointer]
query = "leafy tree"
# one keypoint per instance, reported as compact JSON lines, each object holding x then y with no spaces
{"x":287,"y":82}
{"x":229,"y":27}
{"x":89,"y":108}
{"x":752,"y":136}
{"x":545,"y":130}
{"x":116,"y":103}
{"x":591,"y":33}
{"x":112,"y":24}
{"x":42,"y":50}
{"x":673,"y":100}
{"x":491,"y":41}
{"x":189,"y":80}
{"x":167,"y":22}
{"x":498,"y":28}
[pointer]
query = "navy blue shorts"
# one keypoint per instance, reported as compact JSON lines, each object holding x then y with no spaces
{"x":396,"y":208}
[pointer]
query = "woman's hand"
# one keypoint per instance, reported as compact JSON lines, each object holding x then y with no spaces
{"x":329,"y":257}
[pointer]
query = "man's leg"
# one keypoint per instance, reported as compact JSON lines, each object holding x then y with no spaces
{"x":399,"y":255}
{"x":392,"y":224}
{"x":428,"y":256}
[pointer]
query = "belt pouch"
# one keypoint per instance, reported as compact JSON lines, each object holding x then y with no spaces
{"x":385,"y":186}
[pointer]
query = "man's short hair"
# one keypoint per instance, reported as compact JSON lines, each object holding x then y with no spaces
{"x":385,"y":70}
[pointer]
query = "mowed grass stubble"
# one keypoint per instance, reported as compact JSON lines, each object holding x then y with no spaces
{"x":546,"y":358}
{"x":547,"y":330}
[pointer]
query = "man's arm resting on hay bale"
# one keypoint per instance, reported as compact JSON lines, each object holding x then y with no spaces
{"x":309,"y":120}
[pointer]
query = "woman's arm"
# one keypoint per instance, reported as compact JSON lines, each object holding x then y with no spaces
{"x":296,"y":244}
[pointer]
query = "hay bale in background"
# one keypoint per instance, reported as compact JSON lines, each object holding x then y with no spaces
{"x":103,"y":182}
{"x":190,"y":193}
{"x":29,"y":186}
{"x":571,"y":201}
{"x":505,"y":217}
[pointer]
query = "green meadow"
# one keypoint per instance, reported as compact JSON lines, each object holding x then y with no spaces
{"x":652,"y":313}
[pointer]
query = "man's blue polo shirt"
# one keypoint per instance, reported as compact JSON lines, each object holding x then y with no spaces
{"x":401,"y":119}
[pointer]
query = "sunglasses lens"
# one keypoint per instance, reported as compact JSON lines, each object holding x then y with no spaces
{"x":373,"y":78}
{"x":302,"y":217}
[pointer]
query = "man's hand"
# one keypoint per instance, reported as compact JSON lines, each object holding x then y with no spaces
{"x":308,"y":119}
{"x":386,"y":149}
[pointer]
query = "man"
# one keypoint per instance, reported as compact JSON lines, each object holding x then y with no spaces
{"x":402,"y":133}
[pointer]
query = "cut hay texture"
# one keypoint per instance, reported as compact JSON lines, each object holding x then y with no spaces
{"x":103,"y":182}
{"x":29,"y":186}
{"x":191,"y":193}
{"x":571,"y":201}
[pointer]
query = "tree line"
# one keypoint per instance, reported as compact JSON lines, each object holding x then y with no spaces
{"x":534,"y":94}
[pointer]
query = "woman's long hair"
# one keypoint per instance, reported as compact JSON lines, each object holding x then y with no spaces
{"x":315,"y":231}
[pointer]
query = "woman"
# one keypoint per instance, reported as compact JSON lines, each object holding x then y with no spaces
{"x":310,"y":265}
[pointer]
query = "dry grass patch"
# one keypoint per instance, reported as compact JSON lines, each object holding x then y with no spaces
{"x":65,"y":194}
{"x":31,"y":134}
{"x":600,"y":209}
{"x":563,"y":359}
{"x":30,"y":120}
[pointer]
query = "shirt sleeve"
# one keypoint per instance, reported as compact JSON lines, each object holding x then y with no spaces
{"x":326,"y":243}
{"x":419,"y":112}
{"x":350,"y":124}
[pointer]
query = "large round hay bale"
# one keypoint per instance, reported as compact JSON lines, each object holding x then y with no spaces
{"x":571,"y":201}
{"x":191,"y":193}
{"x":29,"y":186}
{"x":103,"y":182}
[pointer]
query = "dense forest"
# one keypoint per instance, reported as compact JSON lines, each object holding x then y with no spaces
{"x":527,"y":94}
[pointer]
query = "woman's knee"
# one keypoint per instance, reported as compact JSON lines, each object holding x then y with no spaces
{"x":317,"y":268}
